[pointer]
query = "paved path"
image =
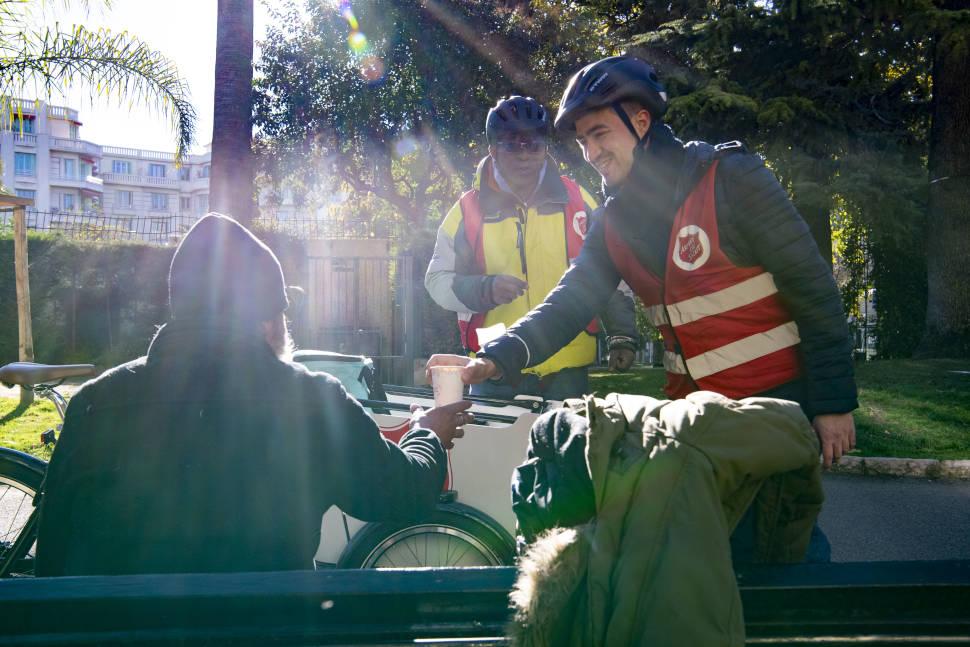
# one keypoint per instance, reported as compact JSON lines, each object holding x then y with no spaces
{"x":884,"y":518}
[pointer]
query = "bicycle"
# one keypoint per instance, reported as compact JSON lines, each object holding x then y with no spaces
{"x":21,"y":474}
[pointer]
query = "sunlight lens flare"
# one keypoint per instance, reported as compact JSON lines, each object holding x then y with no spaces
{"x":405,"y":146}
{"x":358,"y":42}
{"x":348,"y":15}
{"x":370,"y":66}
{"x":372,"y":69}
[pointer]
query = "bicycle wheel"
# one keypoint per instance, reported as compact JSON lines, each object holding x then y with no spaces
{"x":454,"y":535}
{"x":20,"y":479}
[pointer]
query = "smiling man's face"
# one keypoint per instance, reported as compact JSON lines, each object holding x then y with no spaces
{"x":608,"y":144}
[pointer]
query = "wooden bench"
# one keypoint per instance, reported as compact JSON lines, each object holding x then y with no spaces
{"x":881,"y":603}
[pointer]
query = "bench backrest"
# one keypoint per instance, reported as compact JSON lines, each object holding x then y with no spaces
{"x":923,"y":602}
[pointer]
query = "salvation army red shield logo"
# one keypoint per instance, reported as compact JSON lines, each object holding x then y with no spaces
{"x":580,"y":224}
{"x":692,"y":248}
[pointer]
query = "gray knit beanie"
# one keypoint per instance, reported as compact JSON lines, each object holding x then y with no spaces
{"x":222,"y":271}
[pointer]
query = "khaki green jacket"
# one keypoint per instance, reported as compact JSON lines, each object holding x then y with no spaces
{"x":671,"y":480}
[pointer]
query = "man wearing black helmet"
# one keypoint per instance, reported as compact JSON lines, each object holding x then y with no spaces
{"x":709,"y":240}
{"x":504,"y":245}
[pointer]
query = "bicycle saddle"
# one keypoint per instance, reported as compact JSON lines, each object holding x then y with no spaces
{"x":29,"y":373}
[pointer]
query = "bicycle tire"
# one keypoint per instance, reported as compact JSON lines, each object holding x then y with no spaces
{"x":21,"y":476}
{"x":453,"y":535}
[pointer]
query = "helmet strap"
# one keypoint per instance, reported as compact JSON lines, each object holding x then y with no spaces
{"x":625,"y":118}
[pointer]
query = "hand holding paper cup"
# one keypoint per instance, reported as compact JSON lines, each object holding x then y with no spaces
{"x":446,"y":384}
{"x":475,"y":370}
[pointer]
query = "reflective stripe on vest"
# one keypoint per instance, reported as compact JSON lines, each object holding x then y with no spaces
{"x":724,"y":327}
{"x":469,"y":323}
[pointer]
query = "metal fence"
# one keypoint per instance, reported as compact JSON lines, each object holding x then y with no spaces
{"x":163,"y":229}
{"x":168,"y":228}
{"x":329,"y":226}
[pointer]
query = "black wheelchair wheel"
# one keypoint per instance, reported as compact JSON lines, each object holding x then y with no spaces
{"x":454,"y":535}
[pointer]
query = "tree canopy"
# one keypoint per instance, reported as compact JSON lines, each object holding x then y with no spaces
{"x":842,"y":97}
{"x":389,"y":99}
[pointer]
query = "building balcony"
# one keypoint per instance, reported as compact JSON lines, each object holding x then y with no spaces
{"x":23,"y":106}
{"x":76,"y":146}
{"x":136,"y":153}
{"x":24,"y":139}
{"x":61,"y":112}
{"x":139,"y":180}
{"x":194,"y":184}
{"x":89,"y":183}
{"x":30,"y":107}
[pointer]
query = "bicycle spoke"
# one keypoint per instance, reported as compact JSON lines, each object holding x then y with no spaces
{"x":15,"y":515}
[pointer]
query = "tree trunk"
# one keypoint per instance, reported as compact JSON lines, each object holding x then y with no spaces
{"x":231,"y":177}
{"x":948,"y":225}
{"x":22,"y":279}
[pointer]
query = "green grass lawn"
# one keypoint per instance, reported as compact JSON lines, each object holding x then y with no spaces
{"x":21,"y":428}
{"x":908,"y":408}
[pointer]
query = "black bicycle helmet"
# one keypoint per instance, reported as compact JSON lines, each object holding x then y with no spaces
{"x":606,"y":83}
{"x":515,"y":115}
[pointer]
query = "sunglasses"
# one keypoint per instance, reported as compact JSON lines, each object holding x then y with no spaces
{"x":524,"y":145}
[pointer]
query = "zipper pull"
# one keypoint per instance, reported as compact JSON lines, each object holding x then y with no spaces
{"x":520,"y":243}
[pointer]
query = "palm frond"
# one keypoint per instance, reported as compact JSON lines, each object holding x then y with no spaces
{"x":111,"y":64}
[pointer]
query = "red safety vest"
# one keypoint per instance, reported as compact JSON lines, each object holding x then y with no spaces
{"x":724,"y":327}
{"x":473,"y":221}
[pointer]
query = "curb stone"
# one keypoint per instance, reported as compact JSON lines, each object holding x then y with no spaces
{"x":929,"y":468}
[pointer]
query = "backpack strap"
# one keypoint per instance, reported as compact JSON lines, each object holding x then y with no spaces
{"x":471,"y":216}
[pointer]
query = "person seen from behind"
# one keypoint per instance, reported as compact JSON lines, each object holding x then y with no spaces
{"x":213,"y":452}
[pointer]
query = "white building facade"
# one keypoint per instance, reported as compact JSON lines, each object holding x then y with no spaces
{"x":70,"y":179}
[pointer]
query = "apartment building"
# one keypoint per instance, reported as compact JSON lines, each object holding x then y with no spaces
{"x":44,"y":158}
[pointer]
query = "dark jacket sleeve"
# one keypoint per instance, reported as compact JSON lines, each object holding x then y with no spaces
{"x":620,"y":320}
{"x":582,"y":293}
{"x":765,"y":228}
{"x":372,"y":478}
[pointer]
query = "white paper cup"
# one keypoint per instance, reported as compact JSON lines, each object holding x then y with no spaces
{"x":446,"y":384}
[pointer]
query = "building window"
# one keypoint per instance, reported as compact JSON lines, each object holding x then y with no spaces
{"x":159,"y":202}
{"x":68,"y":169}
{"x":156,"y":170}
{"x":25,"y":126}
{"x":202,"y":203}
{"x":30,"y":194}
{"x":204,"y":171}
{"x":25,"y":163}
{"x":74,"y":132}
{"x":124,"y":199}
{"x":120,"y":167}
{"x":185,"y":204}
{"x":185,"y":173}
{"x":67,"y":201}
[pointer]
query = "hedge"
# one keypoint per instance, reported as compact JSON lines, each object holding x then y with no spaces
{"x":101,"y":302}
